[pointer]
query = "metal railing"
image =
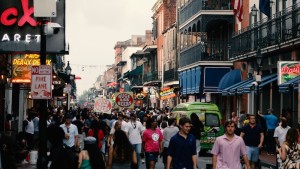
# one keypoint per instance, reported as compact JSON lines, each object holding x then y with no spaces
{"x":281,"y":27}
{"x":170,"y":75}
{"x":194,"y":6}
{"x":208,"y":51}
{"x":151,"y":76}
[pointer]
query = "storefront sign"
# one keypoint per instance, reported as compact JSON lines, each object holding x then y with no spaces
{"x":21,"y":67}
{"x":124,"y":99}
{"x":287,"y":70}
{"x":41,"y":82}
{"x":167,"y":93}
{"x":103,"y":105}
{"x":20,"y":30}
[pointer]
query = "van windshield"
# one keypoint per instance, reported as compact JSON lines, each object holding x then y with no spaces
{"x":212,"y":120}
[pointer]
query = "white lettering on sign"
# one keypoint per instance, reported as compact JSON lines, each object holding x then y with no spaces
{"x":17,"y":38}
{"x":124,"y":100}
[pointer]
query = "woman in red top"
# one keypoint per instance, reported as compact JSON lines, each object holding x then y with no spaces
{"x":96,"y":132}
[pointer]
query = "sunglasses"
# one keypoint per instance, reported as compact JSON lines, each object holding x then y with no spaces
{"x":68,"y":131}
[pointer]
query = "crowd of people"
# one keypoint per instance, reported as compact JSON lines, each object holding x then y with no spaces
{"x":128,"y":138}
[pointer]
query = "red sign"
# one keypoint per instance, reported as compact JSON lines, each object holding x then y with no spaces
{"x":124,"y":99}
{"x":102,"y":105}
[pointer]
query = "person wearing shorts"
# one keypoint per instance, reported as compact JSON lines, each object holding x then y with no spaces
{"x":152,"y":143}
{"x":253,"y":136}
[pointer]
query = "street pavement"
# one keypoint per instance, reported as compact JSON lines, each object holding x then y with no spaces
{"x":203,"y":163}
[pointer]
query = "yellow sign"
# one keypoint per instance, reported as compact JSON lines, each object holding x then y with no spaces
{"x":21,"y":67}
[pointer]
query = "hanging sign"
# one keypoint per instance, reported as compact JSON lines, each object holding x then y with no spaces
{"x":124,"y":99}
{"x":41,"y":82}
{"x":102,"y":105}
{"x":288,"y":70}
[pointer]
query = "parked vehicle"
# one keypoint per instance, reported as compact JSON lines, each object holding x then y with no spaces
{"x":210,"y":116}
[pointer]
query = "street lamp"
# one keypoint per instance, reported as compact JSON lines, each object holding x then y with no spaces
{"x":68,"y":69}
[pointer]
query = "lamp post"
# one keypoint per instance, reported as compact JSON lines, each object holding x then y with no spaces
{"x":68,"y":70}
{"x":254,"y":11}
{"x":258,"y":78}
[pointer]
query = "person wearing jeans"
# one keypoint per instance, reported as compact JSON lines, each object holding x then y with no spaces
{"x":135,"y":129}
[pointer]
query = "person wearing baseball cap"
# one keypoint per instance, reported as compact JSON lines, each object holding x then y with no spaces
{"x":272,"y":122}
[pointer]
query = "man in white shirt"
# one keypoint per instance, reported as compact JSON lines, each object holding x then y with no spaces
{"x":135,"y":129}
{"x":71,"y":133}
{"x":280,"y":132}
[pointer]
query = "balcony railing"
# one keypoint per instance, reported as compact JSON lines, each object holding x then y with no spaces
{"x":208,"y":51}
{"x":194,"y":6}
{"x":282,"y":27}
{"x":151,"y":76}
{"x":170,"y":75}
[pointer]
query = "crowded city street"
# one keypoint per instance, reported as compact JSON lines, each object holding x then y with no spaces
{"x":150,"y":84}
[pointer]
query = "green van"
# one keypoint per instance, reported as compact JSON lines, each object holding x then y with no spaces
{"x":210,"y":116}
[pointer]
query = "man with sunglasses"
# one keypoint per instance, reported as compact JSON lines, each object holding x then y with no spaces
{"x":135,"y":129}
{"x":71,"y":134}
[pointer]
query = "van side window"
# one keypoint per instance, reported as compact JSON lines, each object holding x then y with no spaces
{"x":212,"y":120}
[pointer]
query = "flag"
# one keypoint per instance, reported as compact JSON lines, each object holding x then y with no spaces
{"x":237,"y":6}
{"x":264,"y":7}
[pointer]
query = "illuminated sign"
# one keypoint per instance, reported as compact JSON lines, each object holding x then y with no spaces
{"x":288,"y":70}
{"x":20,"y":30}
{"x":167,"y":93}
{"x":21,"y":67}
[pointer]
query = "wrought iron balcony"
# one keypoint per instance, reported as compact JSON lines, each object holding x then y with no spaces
{"x":208,"y":51}
{"x":194,"y":6}
{"x":151,"y":76}
{"x":281,"y":30}
{"x":170,"y":75}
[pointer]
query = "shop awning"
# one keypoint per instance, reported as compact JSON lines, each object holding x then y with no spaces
{"x":232,"y":90}
{"x":229,"y":79}
{"x":267,"y":82}
{"x":212,"y":78}
{"x":246,"y":88}
{"x":285,"y":87}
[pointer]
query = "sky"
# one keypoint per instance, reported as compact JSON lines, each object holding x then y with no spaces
{"x":92,"y":29}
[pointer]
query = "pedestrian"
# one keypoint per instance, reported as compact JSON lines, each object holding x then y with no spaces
{"x":242,"y":118}
{"x":121,"y":154}
{"x":280,"y":132}
{"x":152,"y":143}
{"x":253,"y":136}
{"x":271,"y":121}
{"x":289,"y":152}
{"x":228,"y":149}
{"x":168,"y":133}
{"x":71,"y":133}
{"x":196,"y":129}
{"x":117,"y":126}
{"x":79,"y":124}
{"x":91,"y":157}
{"x":182,"y":151}
{"x":28,"y":127}
{"x":135,"y":129}
{"x":96,"y":132}
{"x":60,"y":156}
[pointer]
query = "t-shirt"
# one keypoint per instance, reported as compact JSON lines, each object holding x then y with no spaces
{"x":280,"y":133}
{"x":134,"y":132}
{"x":252,"y":135}
{"x":168,"y":133}
{"x":152,"y":139}
{"x":271,"y":121}
{"x":181,"y":150}
{"x":72,"y":131}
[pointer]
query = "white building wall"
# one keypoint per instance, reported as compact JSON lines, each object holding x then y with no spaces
{"x":126,"y":57}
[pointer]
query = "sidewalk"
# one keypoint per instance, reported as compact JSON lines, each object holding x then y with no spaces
{"x":268,"y":161}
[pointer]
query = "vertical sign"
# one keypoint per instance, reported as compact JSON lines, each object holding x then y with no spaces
{"x":41,"y":82}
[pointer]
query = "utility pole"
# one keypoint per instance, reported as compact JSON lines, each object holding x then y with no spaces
{"x":42,"y":153}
